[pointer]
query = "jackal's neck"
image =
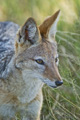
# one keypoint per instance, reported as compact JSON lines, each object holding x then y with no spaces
{"x":31,"y":89}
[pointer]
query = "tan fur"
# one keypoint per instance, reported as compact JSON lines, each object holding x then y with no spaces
{"x":21,"y":86}
{"x":45,"y":26}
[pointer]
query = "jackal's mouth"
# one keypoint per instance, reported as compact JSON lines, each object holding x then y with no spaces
{"x":53,"y":86}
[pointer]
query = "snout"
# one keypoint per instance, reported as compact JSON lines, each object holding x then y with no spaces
{"x":53,"y":84}
{"x":58,"y":83}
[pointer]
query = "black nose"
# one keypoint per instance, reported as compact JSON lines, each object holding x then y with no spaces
{"x":58,"y":83}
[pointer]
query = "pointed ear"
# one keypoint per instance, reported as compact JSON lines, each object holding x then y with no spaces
{"x":49,"y":26}
{"x":29,"y":33}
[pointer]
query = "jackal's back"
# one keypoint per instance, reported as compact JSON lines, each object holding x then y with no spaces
{"x":7,"y":35}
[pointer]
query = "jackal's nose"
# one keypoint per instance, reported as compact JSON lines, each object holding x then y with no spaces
{"x":58,"y":83}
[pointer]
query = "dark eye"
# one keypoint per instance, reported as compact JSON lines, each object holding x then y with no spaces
{"x":40,"y":61}
{"x":57,"y":60}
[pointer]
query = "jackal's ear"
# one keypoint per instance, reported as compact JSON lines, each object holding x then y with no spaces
{"x":29,"y":33}
{"x":49,"y":26}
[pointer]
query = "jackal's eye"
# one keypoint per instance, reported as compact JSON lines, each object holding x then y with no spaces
{"x":40,"y":61}
{"x":57,"y":60}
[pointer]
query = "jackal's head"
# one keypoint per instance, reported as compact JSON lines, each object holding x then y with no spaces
{"x":36,"y":51}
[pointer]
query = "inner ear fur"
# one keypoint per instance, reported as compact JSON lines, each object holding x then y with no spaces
{"x":27,"y":35}
{"x":48,"y":27}
{"x":29,"y":32}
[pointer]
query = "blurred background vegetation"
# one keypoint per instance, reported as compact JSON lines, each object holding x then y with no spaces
{"x":62,"y":103}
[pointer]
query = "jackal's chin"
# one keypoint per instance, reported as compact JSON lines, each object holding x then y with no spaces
{"x":49,"y":83}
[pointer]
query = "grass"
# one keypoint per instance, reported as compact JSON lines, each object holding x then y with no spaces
{"x":62,"y":103}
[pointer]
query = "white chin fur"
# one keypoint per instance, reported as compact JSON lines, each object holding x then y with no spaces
{"x":50,"y":83}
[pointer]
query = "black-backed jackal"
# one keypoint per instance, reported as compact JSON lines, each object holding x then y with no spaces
{"x":34,"y":63}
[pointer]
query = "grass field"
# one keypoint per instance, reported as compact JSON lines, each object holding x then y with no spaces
{"x":62,"y":103}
